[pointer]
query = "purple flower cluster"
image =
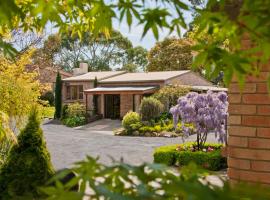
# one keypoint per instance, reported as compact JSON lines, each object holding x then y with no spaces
{"x":206,"y":112}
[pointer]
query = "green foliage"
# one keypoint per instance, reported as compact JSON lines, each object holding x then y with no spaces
{"x":171,"y":54}
{"x":48,"y":96}
{"x":183,"y":154}
{"x":58,"y":97}
{"x":130,"y":120}
{"x":47,"y":112}
{"x":225,"y":23}
{"x":148,"y":181}
{"x":28,"y":165}
{"x":74,"y":121}
{"x":169,"y":95}
{"x":150,"y":108}
{"x":74,"y":114}
{"x":76,"y":109}
{"x":7,"y":138}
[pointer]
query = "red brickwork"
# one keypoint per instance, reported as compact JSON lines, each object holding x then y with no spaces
{"x":249,"y":129}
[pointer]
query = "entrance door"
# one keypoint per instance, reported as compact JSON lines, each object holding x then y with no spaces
{"x":112,"y":106}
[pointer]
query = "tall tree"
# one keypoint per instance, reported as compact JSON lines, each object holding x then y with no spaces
{"x":58,"y":96}
{"x":19,"y":89}
{"x":100,"y":52}
{"x":170,"y":54}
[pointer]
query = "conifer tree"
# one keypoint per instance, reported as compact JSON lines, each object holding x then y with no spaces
{"x":58,"y":97}
{"x":28,"y":165}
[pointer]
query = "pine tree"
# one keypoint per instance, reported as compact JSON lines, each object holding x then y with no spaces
{"x":95,"y":97}
{"x":28,"y":165}
{"x":58,"y":97}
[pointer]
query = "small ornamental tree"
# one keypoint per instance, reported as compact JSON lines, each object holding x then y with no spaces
{"x":28,"y":165}
{"x":205,"y":112}
{"x":58,"y":97}
{"x":150,"y":108}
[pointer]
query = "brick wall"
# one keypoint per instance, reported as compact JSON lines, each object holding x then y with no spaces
{"x":126,"y":104}
{"x":249,"y":129}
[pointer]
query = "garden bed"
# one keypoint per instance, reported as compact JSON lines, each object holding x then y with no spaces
{"x":182,"y":154}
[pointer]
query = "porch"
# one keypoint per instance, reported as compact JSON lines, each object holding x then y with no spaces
{"x":115,"y":102}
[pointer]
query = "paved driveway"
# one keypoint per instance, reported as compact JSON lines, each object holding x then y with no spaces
{"x":68,"y":145}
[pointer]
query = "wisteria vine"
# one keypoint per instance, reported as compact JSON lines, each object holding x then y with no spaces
{"x":206,"y":112}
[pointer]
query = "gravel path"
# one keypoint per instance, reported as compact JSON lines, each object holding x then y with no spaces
{"x":68,"y":145}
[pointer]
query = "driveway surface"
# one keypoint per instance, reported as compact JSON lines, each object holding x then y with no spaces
{"x":68,"y":145}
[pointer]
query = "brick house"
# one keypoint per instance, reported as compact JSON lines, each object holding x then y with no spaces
{"x":119,"y":92}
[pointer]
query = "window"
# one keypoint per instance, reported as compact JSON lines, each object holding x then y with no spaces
{"x":74,"y":92}
{"x":68,"y":93}
{"x":80,"y":92}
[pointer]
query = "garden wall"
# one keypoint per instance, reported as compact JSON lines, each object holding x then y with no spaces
{"x":249,"y":129}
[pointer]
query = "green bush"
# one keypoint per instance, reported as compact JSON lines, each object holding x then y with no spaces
{"x":48,"y":96}
{"x":169,"y":95}
{"x":74,"y":115}
{"x":74,"y":121}
{"x":28,"y":165}
{"x":150,"y":108}
{"x":171,"y":155}
{"x":130,"y":120}
{"x":166,"y":155}
{"x":76,"y":109}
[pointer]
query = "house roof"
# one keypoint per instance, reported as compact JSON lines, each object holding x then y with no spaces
{"x":206,"y":88}
{"x":145,"y":76}
{"x":90,"y":76}
{"x":112,"y":90}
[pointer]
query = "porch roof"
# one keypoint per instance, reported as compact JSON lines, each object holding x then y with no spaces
{"x":117,"y":90}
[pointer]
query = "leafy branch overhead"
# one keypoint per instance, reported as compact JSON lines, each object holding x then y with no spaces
{"x":223,"y":21}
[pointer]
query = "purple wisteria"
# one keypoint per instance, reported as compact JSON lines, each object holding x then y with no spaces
{"x":202,"y":113}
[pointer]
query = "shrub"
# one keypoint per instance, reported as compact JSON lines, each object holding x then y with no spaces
{"x":165,"y":155}
{"x":74,"y":115}
{"x":129,"y":120}
{"x":48,"y":96}
{"x":74,"y":121}
{"x":28,"y":165}
{"x":183,"y":154}
{"x":47,"y":112}
{"x":76,"y":110}
{"x":150,"y":108}
{"x":169,"y":95}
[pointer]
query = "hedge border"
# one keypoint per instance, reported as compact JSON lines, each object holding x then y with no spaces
{"x":209,"y":160}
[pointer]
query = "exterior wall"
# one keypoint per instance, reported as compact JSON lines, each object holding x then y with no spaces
{"x":137,"y":102}
{"x":126,"y":104}
{"x":190,"y":78}
{"x":249,"y":129}
{"x":86,"y":85}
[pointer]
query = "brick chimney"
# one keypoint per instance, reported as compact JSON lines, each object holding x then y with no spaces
{"x":83,"y":69}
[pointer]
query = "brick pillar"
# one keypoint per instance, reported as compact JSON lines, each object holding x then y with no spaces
{"x":249,"y":130}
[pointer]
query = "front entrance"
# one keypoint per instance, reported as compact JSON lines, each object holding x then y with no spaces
{"x":112,"y":106}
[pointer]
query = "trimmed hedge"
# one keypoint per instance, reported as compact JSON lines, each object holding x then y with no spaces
{"x":170,"y":155}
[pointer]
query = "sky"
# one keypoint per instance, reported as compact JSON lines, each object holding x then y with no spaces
{"x":134,"y":34}
{"x":149,"y":40}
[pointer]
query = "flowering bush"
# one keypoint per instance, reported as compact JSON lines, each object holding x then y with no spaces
{"x":206,"y":112}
